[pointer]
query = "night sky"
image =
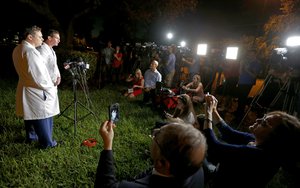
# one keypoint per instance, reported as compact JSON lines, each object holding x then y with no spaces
{"x":219,"y":19}
{"x":215,"y":19}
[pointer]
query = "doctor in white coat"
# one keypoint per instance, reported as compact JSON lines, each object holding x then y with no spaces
{"x":46,"y":49}
{"x":36,"y":93}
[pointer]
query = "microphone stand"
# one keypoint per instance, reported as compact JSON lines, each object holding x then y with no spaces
{"x":75,"y":103}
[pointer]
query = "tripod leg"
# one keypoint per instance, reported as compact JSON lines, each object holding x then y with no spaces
{"x":75,"y":102}
{"x":297,"y":102}
{"x":90,"y":111}
{"x":287,"y":98}
{"x":62,"y":112}
{"x":279,"y":94}
{"x":256,"y":98}
{"x":294,"y":99}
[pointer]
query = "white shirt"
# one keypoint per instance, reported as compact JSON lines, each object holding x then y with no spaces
{"x":151,"y":77}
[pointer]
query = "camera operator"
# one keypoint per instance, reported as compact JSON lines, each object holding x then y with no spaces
{"x":169,"y":67}
{"x":250,"y":67}
{"x":193,"y":63}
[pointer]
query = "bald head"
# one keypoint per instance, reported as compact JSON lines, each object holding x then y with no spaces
{"x":153,"y":65}
{"x":182,"y":146}
{"x":155,"y":62}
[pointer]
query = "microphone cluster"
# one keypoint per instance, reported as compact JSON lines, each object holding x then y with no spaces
{"x":76,"y":65}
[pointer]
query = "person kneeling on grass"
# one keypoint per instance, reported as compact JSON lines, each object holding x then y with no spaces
{"x":177,"y":151}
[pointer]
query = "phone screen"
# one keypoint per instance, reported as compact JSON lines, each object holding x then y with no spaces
{"x":114,"y":112}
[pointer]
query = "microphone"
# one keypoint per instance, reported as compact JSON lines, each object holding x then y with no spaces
{"x":82,"y":64}
{"x":80,"y":61}
{"x":67,"y":66}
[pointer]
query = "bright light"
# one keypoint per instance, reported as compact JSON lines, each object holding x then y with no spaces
{"x":232,"y":52}
{"x":170,"y":35}
{"x":182,"y":43}
{"x":280,"y":51}
{"x":293,"y":41}
{"x":202,"y":49}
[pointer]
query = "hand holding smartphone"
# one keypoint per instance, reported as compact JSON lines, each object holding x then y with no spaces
{"x":114,"y":112}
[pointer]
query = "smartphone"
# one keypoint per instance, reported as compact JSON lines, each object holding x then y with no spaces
{"x":114,"y":112}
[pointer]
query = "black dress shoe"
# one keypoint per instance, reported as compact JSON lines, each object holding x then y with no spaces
{"x":29,"y":141}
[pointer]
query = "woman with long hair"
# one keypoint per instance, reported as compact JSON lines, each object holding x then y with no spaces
{"x":195,"y":89}
{"x":184,"y":111}
{"x":137,"y":84}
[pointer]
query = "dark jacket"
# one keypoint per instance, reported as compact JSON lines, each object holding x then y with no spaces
{"x":106,"y":178}
{"x":240,"y":165}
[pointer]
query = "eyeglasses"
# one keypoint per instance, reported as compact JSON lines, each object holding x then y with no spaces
{"x":154,"y":138}
{"x":56,"y":37}
{"x":263,"y":121}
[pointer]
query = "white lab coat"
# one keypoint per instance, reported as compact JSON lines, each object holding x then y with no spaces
{"x":51,"y":63}
{"x":36,"y":94}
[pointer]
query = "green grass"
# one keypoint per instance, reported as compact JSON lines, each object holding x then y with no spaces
{"x":73,"y":165}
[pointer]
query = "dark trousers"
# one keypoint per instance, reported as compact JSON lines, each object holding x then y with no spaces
{"x":149,"y":96}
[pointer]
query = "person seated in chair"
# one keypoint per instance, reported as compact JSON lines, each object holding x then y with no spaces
{"x":151,"y":77}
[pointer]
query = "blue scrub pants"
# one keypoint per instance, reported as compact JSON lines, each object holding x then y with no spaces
{"x":40,"y":130}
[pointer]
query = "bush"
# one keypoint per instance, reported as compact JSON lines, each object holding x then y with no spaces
{"x":88,"y":57}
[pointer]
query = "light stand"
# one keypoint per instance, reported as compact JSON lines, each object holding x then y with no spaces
{"x":75,"y":103}
{"x":288,"y":92}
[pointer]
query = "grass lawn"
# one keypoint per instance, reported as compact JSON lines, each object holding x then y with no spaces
{"x":71,"y":164}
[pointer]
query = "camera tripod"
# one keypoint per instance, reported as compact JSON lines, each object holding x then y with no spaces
{"x":256,"y":98}
{"x":285,"y":100}
{"x":290,"y":93}
{"x":75,"y":104}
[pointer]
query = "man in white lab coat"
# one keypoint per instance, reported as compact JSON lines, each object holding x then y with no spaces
{"x":46,"y":49}
{"x":36,"y":93}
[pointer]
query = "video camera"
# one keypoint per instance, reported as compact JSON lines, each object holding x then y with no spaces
{"x":288,"y":56}
{"x":285,"y":58}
